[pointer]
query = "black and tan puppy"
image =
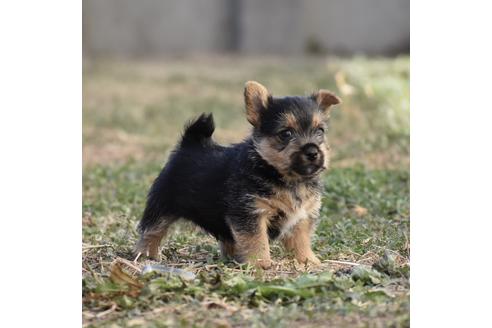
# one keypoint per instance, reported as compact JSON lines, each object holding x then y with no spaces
{"x":248,"y":194}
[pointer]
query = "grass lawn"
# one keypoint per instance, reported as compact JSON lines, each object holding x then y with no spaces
{"x":133,"y":113}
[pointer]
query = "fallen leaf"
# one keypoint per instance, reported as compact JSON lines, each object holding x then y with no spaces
{"x":219,"y":304}
{"x":366,"y":274}
{"x":221,"y":323}
{"x":136,"y":322}
{"x":360,"y":211}
{"x":120,"y":276}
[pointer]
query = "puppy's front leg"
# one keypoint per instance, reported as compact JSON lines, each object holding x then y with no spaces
{"x":252,"y":244}
{"x":227,"y":249}
{"x":298,"y":241}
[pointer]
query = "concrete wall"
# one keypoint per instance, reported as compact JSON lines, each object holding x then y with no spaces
{"x":163,"y":27}
{"x":271,"y":26}
{"x":152,"y":27}
{"x":352,"y":26}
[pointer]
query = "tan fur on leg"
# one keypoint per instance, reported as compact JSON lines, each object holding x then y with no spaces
{"x":150,"y":240}
{"x":298,"y":241}
{"x":227,"y":249}
{"x":254,"y":247}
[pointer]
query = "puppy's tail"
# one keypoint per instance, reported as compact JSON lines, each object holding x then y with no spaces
{"x":199,"y":130}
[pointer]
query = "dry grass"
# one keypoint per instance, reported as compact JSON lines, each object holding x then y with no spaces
{"x":133,"y":115}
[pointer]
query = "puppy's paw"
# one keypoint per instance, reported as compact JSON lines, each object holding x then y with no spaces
{"x":263,"y":263}
{"x":146,"y":255}
{"x":310,"y":259}
{"x":145,"y":251}
{"x":314,"y":261}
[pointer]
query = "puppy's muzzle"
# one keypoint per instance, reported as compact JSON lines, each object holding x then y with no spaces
{"x":308,"y":161}
{"x":311,"y":152}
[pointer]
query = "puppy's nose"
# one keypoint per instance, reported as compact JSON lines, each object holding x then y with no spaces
{"x":311,"y":152}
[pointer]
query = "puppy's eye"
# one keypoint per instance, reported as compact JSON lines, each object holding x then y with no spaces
{"x":320,"y":131}
{"x":285,"y":135}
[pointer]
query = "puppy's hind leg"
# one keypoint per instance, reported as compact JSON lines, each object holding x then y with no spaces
{"x":151,"y":237}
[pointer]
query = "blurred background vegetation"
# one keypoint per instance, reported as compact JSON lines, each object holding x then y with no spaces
{"x":136,"y":109}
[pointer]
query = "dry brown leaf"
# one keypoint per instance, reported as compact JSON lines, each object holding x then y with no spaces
{"x":218,"y":304}
{"x":120,"y":276}
{"x":221,"y":323}
{"x":136,"y":322}
{"x":360,"y":211}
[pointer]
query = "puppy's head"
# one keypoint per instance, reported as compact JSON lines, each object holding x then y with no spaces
{"x":289,"y":132}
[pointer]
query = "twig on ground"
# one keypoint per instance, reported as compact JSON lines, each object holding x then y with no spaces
{"x":94,"y":275}
{"x":342,"y":262}
{"x":129,"y":264}
{"x":86,"y":247}
{"x":108,"y":311}
{"x":354,"y":253}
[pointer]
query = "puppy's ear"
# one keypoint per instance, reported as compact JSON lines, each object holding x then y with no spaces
{"x":256,"y":98}
{"x":325,"y":99}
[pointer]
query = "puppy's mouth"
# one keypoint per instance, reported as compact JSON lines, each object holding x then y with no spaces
{"x":309,"y":170}
{"x":305,"y":168}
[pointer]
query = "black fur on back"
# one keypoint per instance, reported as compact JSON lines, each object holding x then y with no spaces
{"x":209,"y":184}
{"x":204,"y":182}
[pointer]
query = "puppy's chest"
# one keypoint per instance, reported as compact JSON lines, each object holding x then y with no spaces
{"x":284,"y":208}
